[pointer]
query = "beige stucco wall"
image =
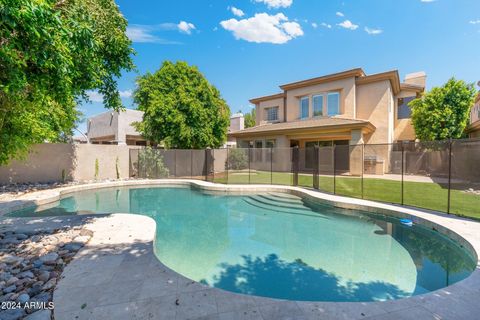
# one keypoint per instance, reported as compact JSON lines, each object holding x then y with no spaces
{"x":260,"y":110}
{"x":47,"y":161}
{"x":374,"y":104}
{"x":86,"y":154}
{"x":346,"y":87}
{"x":44,"y":164}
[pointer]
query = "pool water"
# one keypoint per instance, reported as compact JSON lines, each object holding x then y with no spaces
{"x":277,"y":245}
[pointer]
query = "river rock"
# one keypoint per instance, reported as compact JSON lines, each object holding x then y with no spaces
{"x":23,"y":298}
{"x":10,"y":289}
{"x":21,"y":236}
{"x":49,"y":258}
{"x":49,"y":284}
{"x":12,"y":314}
{"x":44,"y":276}
{"x":26,"y":274}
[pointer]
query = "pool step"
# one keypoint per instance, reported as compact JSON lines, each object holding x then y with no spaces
{"x":284,"y":195}
{"x":282,"y":199}
{"x":271,"y":201}
{"x":276,"y":208}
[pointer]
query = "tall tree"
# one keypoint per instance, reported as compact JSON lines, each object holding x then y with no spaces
{"x":443,"y":112}
{"x":51,"y":53}
{"x":250,"y":119}
{"x":182,"y":109}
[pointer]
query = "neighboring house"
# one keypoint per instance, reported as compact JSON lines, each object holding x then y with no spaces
{"x":113,"y":127}
{"x":237,"y":123}
{"x":473,"y":129}
{"x":346,"y":108}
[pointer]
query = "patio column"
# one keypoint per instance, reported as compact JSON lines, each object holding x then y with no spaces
{"x":356,"y":153}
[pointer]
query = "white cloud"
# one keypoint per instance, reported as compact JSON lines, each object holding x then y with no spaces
{"x":142,"y":34}
{"x":475,"y":21}
{"x":125,"y":93}
{"x":186,"y":27}
{"x":275,"y":4}
{"x":94,"y":96}
{"x":326,"y":25}
{"x":347,"y":24}
{"x":373,"y":31}
{"x":314,"y":25}
{"x":264,"y":28}
{"x":426,"y":1}
{"x":340,"y":14}
{"x":237,"y":12}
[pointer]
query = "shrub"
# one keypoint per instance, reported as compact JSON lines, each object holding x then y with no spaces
{"x":237,"y":159}
{"x":151,"y":165}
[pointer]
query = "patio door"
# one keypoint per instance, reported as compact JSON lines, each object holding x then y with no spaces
{"x":342,"y":156}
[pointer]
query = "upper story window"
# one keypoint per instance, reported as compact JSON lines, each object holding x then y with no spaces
{"x":318,"y":105}
{"x":271,"y":114}
{"x":333,"y":104}
{"x":304,"y":106}
{"x":403,"y":110}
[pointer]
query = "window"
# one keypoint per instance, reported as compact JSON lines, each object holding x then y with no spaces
{"x":333,"y":104}
{"x":304,"y":106}
{"x":318,"y":105}
{"x":271,"y":114}
{"x":404,"y":111}
{"x":270,"y":143}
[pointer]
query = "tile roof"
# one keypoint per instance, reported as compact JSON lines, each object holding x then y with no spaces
{"x":304,"y":124}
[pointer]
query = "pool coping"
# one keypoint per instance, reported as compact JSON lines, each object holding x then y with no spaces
{"x":460,"y":300}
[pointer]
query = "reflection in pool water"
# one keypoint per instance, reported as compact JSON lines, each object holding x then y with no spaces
{"x":276,"y":245}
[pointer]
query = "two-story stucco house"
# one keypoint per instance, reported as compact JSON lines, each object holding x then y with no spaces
{"x":473,"y":129}
{"x":348,"y":107}
{"x":341,"y":109}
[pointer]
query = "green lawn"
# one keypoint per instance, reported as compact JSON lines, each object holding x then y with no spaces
{"x":419,"y":194}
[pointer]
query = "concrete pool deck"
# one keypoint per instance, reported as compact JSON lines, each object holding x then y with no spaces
{"x":117,"y":276}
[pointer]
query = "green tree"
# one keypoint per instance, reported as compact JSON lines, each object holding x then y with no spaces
{"x":443,"y":112}
{"x":250,"y":119}
{"x":182,"y":109}
{"x":51,"y":53}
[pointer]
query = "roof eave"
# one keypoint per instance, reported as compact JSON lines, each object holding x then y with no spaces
{"x":358,"y":72}
{"x":267,"y":98}
{"x":360,"y":125}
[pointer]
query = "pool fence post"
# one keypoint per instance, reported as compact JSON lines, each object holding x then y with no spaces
{"x":363,"y":166}
{"x":403,"y":170}
{"x":249,"y":159}
{"x":206,"y":164}
{"x":191,"y":163}
{"x":213,"y":165}
{"x":156,"y":164}
{"x":295,"y":165}
{"x":316,"y":159}
{"x":449,"y":174}
{"x":271,"y":165}
{"x":175,"y":163}
{"x":334,"y":169}
{"x":227,"y":164}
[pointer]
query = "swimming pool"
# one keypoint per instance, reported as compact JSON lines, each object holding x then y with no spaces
{"x":278,"y":245}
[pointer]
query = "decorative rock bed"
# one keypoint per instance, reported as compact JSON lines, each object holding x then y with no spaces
{"x":31,"y":263}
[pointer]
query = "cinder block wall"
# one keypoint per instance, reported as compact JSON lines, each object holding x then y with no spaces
{"x":50,"y":162}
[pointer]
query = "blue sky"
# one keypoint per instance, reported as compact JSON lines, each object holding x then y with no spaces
{"x":247,"y":48}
